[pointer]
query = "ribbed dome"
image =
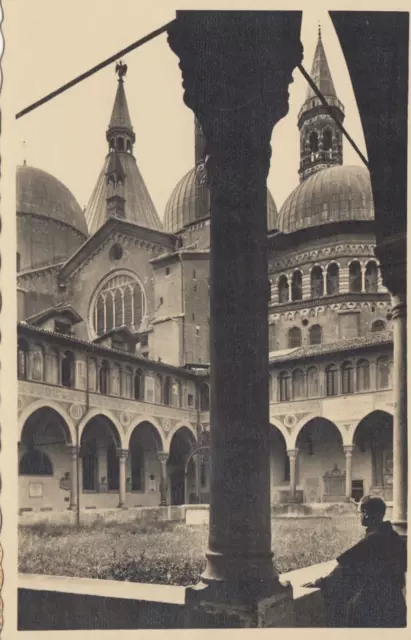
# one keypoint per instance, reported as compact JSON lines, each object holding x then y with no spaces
{"x":334,"y":194}
{"x":41,"y":194}
{"x":181,"y":207}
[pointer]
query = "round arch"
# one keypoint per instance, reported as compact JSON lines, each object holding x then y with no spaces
{"x":373,"y":453}
{"x":182,"y":480}
{"x":176,"y":428}
{"x":154,"y":428}
{"x":38,"y":405}
{"x":310,"y":419}
{"x":276,"y":424}
{"x":94,"y":413}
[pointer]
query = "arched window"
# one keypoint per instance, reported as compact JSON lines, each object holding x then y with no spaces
{"x":175,"y":393}
{"x":120,"y":144}
{"x":67,"y":369}
{"x":283,"y":289}
{"x":327,"y":140}
{"x":167,"y":391}
{"x":92,"y":374}
{"x":271,"y":338}
{"x":333,"y":279}
{"x":139,"y":385}
{"x":113,"y":468}
{"x":104,"y":377}
{"x":347,"y":378}
{"x":115,"y":380}
{"x":158,"y":389}
{"x":204,"y":397}
{"x":317,"y":282}
{"x":37,"y":363}
{"x":297,"y":286}
{"x":22,"y":359}
{"x":137,"y":467}
{"x":316,"y":334}
{"x":90,"y":465}
{"x":128,"y":146}
{"x":53,"y":366}
{"x":298,"y":384}
{"x":313,"y":387}
{"x":285,"y":390}
{"x":294,"y":338}
{"x":383,"y":372}
{"x":120,"y":302}
{"x":331,"y":374}
{"x":128,"y":382}
{"x":363,"y":375}
{"x":35,"y":463}
{"x":355,"y":277}
{"x":371,"y":277}
{"x":378,"y":325}
{"x":314,"y":142}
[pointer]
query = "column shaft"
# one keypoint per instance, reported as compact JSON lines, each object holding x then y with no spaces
{"x":348,"y":450}
{"x":163,"y":457}
{"x":122,"y":477}
{"x":73,"y":485}
{"x":292,"y":455}
{"x":400,"y":444}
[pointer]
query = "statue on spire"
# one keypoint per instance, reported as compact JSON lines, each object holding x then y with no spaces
{"x":319,"y":30}
{"x":121,"y":70}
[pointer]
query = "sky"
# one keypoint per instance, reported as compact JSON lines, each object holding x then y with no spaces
{"x":56,"y":41}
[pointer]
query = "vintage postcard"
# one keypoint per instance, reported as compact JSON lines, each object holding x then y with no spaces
{"x":203,"y":317}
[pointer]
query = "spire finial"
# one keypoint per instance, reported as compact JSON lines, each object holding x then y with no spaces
{"x":24,"y":153}
{"x":121,"y":70}
{"x":319,"y":30}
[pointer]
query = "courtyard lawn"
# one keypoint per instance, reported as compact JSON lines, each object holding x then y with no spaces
{"x":168,"y":553}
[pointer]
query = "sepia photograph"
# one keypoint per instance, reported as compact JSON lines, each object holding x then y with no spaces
{"x":204,"y":302}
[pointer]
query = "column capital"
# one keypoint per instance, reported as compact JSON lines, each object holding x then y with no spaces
{"x":73,"y":449}
{"x":162,"y":456}
{"x":237,"y":109}
{"x":292,"y":453}
{"x":392,"y":255}
{"x":348,"y":449}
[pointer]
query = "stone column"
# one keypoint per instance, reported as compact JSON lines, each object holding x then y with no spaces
{"x":363,"y":268}
{"x":292,"y":455}
{"x":348,"y":451}
{"x":73,"y":473}
{"x":163,"y":457}
{"x":392,"y":254}
{"x":122,"y":457}
{"x":236,"y":69}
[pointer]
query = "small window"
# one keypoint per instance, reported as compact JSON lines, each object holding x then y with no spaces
{"x":355,"y":277}
{"x":383,"y":373}
{"x":298,"y":379}
{"x":333,"y":279}
{"x":193,"y":317}
{"x":363,"y":375}
{"x":67,"y":369}
{"x":296,"y":286}
{"x":377,"y":326}
{"x":316,"y":334}
{"x":285,"y":386}
{"x":371,"y":278}
{"x":194,"y":274}
{"x":167,"y":271}
{"x":190,"y":400}
{"x":116,"y":252}
{"x":317,"y":282}
{"x":294,"y":338}
{"x":283,"y":289}
{"x":327,"y":140}
{"x":332,"y":380}
{"x":347,"y":378}
{"x":314,"y":142}
{"x":198,"y":332}
{"x":161,"y":300}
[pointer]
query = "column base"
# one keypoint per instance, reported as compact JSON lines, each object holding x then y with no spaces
{"x":123,"y":507}
{"x":226,"y":606}
{"x":72,"y":507}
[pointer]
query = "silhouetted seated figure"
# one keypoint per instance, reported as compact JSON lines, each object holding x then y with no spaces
{"x":366,"y":587}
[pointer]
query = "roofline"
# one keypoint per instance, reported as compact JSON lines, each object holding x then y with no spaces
{"x":23,"y":327}
{"x":338,"y":348}
{"x":47,"y":216}
{"x":183,"y":253}
{"x":51,"y":311}
{"x":162,"y":238}
{"x":300,"y":236}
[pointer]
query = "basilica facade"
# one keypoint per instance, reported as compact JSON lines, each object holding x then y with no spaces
{"x":113,"y":330}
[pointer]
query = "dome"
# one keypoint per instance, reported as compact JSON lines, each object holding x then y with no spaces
{"x":181,"y":207}
{"x":41,"y":194}
{"x":335,"y":194}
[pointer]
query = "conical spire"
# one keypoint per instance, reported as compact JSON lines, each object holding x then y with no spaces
{"x":120,"y":189}
{"x":120,"y":116}
{"x":320,"y":72}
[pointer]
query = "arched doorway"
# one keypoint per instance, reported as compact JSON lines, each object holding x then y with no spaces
{"x":100,"y":466}
{"x":279,"y":467}
{"x":182,"y":485}
{"x":143,"y":470}
{"x":320,"y":462}
{"x":373,"y":455}
{"x":44,"y":462}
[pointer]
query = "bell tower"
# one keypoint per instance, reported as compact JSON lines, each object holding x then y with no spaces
{"x":320,"y":138}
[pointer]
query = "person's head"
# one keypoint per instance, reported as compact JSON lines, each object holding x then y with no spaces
{"x":371,"y":510}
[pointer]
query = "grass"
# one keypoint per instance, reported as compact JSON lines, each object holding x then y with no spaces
{"x":168,"y":553}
